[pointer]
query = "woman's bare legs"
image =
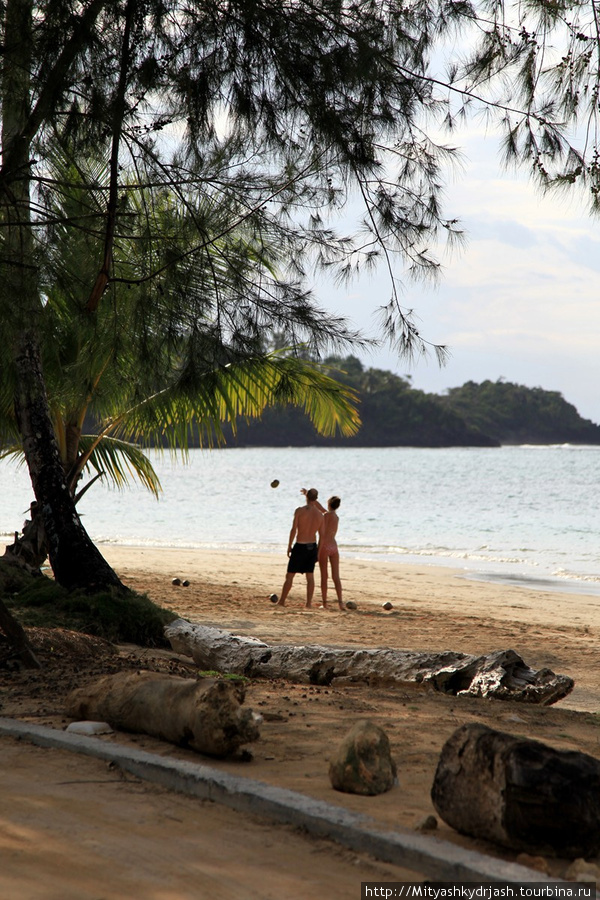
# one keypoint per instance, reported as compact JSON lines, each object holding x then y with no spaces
{"x":323,"y":568}
{"x":335,"y":574}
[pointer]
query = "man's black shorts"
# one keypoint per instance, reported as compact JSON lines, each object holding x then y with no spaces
{"x":303,"y":558}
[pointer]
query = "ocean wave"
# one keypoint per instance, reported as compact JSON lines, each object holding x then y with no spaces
{"x":165,"y":544}
{"x":546,"y":447}
{"x":476,"y":555}
{"x":576,"y":576}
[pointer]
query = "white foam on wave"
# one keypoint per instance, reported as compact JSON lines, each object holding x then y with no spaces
{"x":576,"y":576}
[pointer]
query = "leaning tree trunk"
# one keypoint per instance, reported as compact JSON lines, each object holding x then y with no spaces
{"x":74,"y":558}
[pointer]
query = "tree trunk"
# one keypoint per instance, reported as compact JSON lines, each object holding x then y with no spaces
{"x":30,"y":548}
{"x":206,"y":715}
{"x":502,"y":675}
{"x":74,"y":558}
{"x":519,"y":793}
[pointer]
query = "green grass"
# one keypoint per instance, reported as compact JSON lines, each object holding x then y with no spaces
{"x":38,"y":602}
{"x":229,"y":676}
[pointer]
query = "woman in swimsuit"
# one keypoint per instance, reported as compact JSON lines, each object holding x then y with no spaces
{"x":328,"y":551}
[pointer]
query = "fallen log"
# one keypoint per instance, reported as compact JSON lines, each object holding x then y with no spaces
{"x":519,"y":793}
{"x":502,"y":675}
{"x":204,"y":715}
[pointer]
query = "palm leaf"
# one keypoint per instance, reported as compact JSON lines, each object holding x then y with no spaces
{"x":242,"y":389}
{"x":14,"y":451}
{"x":119,"y":461}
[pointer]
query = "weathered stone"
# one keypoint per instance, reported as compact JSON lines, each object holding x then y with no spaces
{"x":363,"y":763}
{"x":89,"y":728}
{"x":502,"y":675}
{"x":519,"y":793}
{"x":205,"y":715}
{"x":427,"y":823}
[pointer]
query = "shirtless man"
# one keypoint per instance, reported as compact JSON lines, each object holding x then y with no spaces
{"x":328,"y":551}
{"x":303,"y":553}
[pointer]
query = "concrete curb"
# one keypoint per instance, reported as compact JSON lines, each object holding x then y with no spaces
{"x":436,"y":859}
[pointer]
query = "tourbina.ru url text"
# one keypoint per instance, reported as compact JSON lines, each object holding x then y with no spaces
{"x":397,"y":890}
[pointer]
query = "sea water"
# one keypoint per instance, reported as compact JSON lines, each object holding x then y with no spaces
{"x":527,"y":514}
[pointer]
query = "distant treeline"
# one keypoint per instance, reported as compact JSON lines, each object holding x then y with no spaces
{"x":394,"y":414}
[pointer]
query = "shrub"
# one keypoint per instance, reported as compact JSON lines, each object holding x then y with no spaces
{"x":116,"y":616}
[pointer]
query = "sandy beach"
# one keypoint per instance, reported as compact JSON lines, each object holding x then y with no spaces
{"x":433,"y":609}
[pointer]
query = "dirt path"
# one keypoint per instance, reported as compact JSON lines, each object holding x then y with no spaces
{"x":73,"y":829}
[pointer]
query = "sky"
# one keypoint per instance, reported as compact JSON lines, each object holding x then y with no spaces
{"x":521,"y":301}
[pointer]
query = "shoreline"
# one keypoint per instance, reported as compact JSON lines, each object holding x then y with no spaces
{"x":533,"y":570}
{"x":472,"y":571}
{"x":421,"y":586}
{"x":431,"y":585}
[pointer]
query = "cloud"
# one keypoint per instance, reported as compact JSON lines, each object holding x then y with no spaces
{"x":505,"y":231}
{"x":521,"y":301}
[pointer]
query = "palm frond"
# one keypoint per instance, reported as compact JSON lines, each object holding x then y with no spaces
{"x":204,"y":402}
{"x":14,"y":451}
{"x":119,"y":461}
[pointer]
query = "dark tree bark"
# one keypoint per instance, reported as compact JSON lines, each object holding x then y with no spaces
{"x":519,"y":793}
{"x":30,"y":549}
{"x":75,"y":560}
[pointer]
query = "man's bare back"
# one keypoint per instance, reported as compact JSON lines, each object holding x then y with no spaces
{"x":307,"y":521}
{"x":302,"y":545}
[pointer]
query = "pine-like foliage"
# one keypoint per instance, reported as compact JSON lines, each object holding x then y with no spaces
{"x":534,"y":68}
{"x":155,"y":367}
{"x":278,"y":113}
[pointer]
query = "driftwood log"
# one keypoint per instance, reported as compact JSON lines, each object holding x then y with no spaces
{"x":204,"y":715}
{"x":502,"y":675}
{"x":519,"y":793}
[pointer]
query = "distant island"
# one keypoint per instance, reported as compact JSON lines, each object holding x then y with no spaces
{"x":394,"y":414}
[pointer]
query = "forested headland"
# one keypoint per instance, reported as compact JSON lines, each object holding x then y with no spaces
{"x":394,"y":413}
